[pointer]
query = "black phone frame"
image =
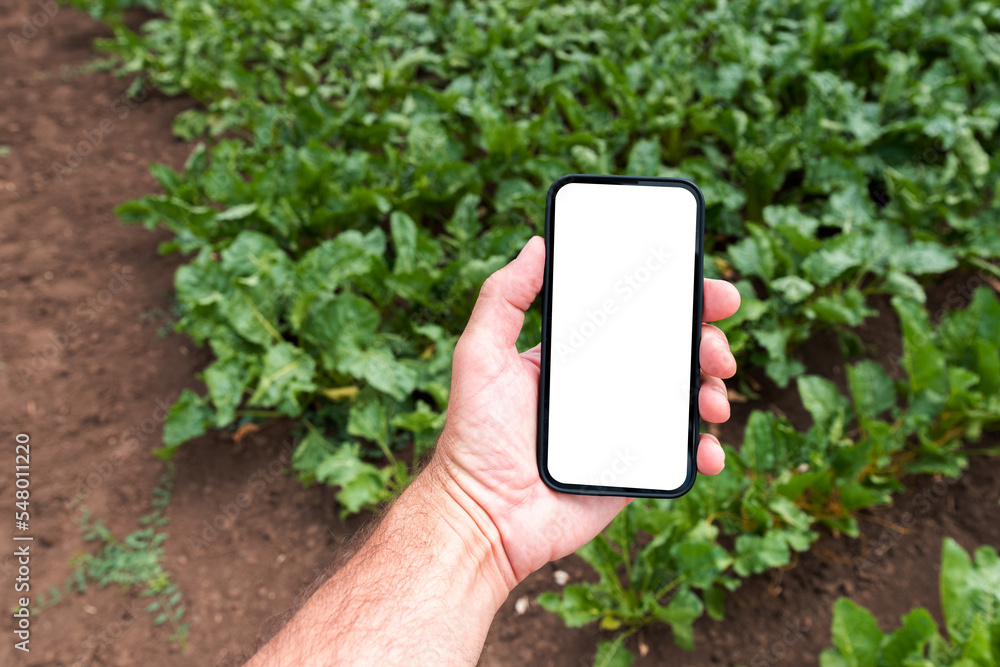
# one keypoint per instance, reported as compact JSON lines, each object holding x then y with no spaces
{"x":697,"y":312}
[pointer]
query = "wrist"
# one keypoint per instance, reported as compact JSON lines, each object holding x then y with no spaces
{"x":430,"y":570}
{"x":474,"y":530}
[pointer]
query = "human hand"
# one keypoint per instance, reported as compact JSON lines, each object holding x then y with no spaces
{"x":485,"y":458}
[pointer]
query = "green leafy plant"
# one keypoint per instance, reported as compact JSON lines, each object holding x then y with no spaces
{"x":135,"y":562}
{"x":364,"y":167}
{"x":672,"y":561}
{"x":361,"y":167}
{"x":113,"y":10}
{"x":970,"y":600}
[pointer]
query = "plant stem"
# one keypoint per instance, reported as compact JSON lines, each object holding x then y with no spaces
{"x":668,"y":587}
{"x":988,"y":267}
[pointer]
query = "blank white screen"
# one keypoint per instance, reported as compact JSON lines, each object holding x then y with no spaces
{"x":620,"y":354}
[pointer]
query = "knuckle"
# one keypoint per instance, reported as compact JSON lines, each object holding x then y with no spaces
{"x":491,"y":286}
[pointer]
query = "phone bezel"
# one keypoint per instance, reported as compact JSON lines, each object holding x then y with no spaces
{"x":697,"y":307}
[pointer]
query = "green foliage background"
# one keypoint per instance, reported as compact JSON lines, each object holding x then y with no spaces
{"x":970,"y":600}
{"x":361,"y":167}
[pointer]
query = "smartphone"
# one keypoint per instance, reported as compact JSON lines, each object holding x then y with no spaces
{"x":621,"y":326}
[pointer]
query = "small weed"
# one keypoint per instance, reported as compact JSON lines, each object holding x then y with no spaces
{"x":166,"y":318}
{"x":135,"y":562}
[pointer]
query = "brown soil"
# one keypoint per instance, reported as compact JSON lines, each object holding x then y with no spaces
{"x":85,"y":367}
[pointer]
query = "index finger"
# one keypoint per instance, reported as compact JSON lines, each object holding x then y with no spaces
{"x":722,"y":300}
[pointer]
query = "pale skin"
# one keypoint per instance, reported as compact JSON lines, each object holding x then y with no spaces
{"x":424,"y":588}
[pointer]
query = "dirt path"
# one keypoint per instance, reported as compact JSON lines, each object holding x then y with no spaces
{"x":85,"y":371}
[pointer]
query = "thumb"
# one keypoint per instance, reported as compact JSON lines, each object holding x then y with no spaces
{"x":499,"y":311}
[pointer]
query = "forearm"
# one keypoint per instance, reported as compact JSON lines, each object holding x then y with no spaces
{"x":422,"y":590}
